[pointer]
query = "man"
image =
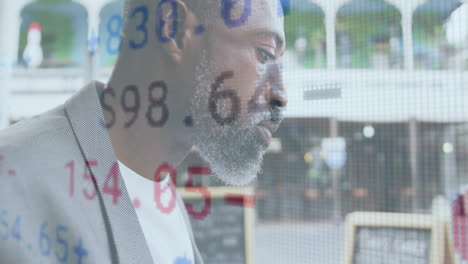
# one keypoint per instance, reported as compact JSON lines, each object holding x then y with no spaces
{"x":209,"y":80}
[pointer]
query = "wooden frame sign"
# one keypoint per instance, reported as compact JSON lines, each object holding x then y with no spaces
{"x":387,"y":238}
{"x":223,"y":222}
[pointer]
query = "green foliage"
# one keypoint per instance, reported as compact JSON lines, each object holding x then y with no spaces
{"x":362,"y":27}
{"x":53,"y":2}
{"x":309,"y":25}
{"x":427,"y":26}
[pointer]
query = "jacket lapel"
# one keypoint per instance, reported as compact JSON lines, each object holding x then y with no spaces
{"x":126,"y":238}
{"x":196,"y":253}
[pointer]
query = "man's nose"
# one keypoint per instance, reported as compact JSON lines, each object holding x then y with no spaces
{"x":276,"y":94}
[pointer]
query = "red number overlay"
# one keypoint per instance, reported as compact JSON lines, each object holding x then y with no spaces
{"x":240,"y":200}
{"x":158,"y":190}
{"x":111,"y":184}
{"x":71,"y":165}
{"x":1,"y":159}
{"x":87,"y":176}
{"x":189,"y":187}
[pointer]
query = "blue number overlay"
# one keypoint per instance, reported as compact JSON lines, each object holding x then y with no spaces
{"x":114,"y":33}
{"x":284,"y":7}
{"x":4,"y":223}
{"x":45,"y":244}
{"x":161,"y":23}
{"x":226,"y":9}
{"x":44,"y":240}
{"x":15,"y":229}
{"x":80,"y":252}
{"x":143,"y":10}
{"x":62,"y":258}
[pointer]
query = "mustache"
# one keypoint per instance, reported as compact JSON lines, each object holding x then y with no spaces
{"x":274,"y":115}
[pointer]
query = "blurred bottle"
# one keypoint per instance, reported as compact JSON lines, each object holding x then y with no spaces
{"x":32,"y":55}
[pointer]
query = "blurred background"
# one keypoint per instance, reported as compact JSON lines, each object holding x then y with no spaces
{"x":376,"y":119}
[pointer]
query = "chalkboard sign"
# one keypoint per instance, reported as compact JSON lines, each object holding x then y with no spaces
{"x":224,"y":234}
{"x":392,"y":245}
{"x":388,"y":238}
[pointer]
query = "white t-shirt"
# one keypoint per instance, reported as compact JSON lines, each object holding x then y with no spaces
{"x":165,"y":232}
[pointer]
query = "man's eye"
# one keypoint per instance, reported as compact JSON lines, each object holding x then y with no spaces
{"x":265,"y":56}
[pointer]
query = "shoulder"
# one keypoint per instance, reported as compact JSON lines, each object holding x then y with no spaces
{"x":24,"y":134}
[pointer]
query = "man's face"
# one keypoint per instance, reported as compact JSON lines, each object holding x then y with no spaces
{"x":239,"y":93}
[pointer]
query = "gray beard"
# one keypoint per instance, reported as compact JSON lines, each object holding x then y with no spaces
{"x":235,"y":151}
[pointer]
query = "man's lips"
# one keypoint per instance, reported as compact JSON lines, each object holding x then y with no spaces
{"x":272,"y":126}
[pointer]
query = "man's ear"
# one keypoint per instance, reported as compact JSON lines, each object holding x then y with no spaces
{"x":176,"y":28}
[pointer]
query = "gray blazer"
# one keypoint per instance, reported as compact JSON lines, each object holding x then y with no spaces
{"x":56,"y":209}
